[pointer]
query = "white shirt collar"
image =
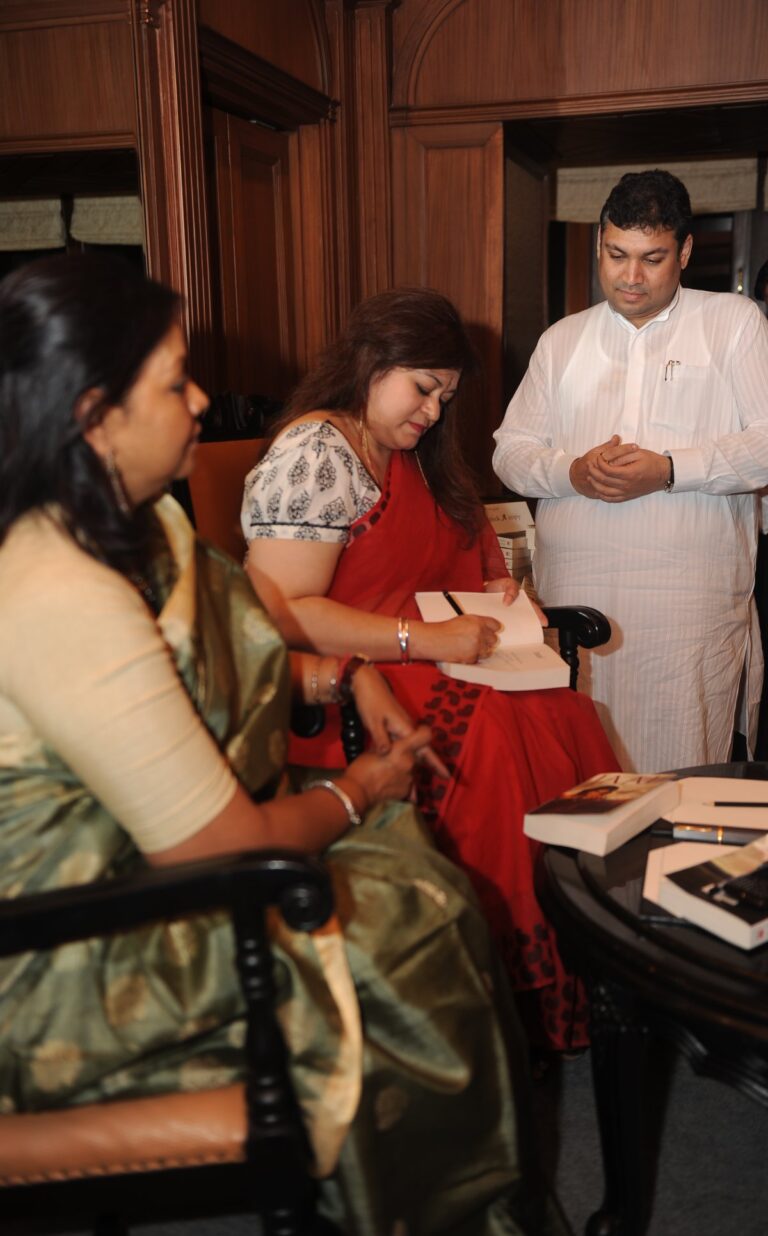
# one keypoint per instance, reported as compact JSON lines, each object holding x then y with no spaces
{"x":660,"y":317}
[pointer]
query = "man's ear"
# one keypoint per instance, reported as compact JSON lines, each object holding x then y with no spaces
{"x":599,"y":240}
{"x":685,"y":251}
{"x":95,"y":434}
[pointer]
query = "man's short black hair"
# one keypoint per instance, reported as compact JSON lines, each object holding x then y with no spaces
{"x":761,"y":283}
{"x":649,"y":200}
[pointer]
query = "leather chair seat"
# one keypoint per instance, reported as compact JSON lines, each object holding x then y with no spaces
{"x":124,"y":1136}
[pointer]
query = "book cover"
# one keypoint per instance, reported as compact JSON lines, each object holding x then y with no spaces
{"x":598,"y":815}
{"x":521,"y":662}
{"x":726,"y":895}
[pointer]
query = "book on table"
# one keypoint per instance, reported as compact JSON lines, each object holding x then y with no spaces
{"x":601,"y":814}
{"x":726,"y":894}
{"x":520,"y":662}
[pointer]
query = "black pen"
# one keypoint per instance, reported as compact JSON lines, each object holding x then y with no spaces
{"x":723,"y":803}
{"x":708,"y":832}
{"x":450,"y":598}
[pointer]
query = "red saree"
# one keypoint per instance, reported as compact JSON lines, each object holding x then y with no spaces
{"x":508,"y":752}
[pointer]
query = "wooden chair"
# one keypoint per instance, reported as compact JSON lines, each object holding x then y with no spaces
{"x":238,"y":1149}
{"x":216,"y":490}
{"x":577,"y":626}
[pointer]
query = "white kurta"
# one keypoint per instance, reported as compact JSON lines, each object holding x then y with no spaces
{"x":673,"y":572}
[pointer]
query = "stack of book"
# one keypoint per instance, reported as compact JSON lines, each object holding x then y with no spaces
{"x":714,"y":875}
{"x":609,"y":809}
{"x":513,"y":524}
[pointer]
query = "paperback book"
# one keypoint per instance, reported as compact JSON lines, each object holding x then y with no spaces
{"x":521,"y":661}
{"x":726,"y":894}
{"x":600,"y":814}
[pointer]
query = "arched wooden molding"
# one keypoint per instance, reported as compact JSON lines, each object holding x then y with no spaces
{"x":415,"y":46}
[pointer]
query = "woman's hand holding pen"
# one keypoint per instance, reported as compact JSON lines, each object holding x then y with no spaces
{"x":464,"y":639}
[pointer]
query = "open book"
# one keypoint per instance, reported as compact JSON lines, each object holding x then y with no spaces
{"x":521,"y":662}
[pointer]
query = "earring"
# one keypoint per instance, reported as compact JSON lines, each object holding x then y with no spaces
{"x":118,"y":487}
{"x":364,"y":446}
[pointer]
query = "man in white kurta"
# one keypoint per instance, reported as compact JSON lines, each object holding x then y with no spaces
{"x":642,"y":428}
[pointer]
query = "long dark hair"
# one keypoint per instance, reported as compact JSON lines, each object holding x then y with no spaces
{"x":69,"y":324}
{"x":408,"y":328}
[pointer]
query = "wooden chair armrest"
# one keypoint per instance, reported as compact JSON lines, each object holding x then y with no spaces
{"x":307,"y":721}
{"x":298,"y":885}
{"x":578,"y":624}
{"x":276,"y":1148}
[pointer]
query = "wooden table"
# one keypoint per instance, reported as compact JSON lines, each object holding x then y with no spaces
{"x":649,"y":976}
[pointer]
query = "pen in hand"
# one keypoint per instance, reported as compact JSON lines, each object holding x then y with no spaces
{"x":450,"y":598}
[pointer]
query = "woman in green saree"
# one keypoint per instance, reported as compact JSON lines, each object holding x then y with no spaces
{"x":144,"y":700}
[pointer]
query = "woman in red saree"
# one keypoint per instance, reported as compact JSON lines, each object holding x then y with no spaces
{"x":351,"y":511}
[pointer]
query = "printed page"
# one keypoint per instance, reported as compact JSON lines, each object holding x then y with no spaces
{"x":521,"y":625}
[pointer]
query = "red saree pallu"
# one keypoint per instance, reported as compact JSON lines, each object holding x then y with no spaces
{"x":507,"y":751}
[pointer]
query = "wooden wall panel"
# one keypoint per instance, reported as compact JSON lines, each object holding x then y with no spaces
{"x":66,"y":82}
{"x":372,"y":157}
{"x":170,"y":141}
{"x":448,"y":227}
{"x":315,"y":240}
{"x":509,"y":54}
{"x":526,"y":216}
{"x":288,"y":33}
{"x":255,"y":242}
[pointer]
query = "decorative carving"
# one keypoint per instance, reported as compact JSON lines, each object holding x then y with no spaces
{"x":149,"y":12}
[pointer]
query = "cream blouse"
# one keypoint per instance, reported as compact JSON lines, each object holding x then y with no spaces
{"x":84,"y":670}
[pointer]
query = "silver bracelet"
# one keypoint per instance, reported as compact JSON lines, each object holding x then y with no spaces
{"x":333,"y":684}
{"x":403,"y":639}
{"x":353,"y":815}
{"x":314,"y":685}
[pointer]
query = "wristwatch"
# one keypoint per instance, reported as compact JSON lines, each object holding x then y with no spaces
{"x":670,"y":483}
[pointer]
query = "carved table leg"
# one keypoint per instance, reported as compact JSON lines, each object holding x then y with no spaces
{"x":619,"y":1076}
